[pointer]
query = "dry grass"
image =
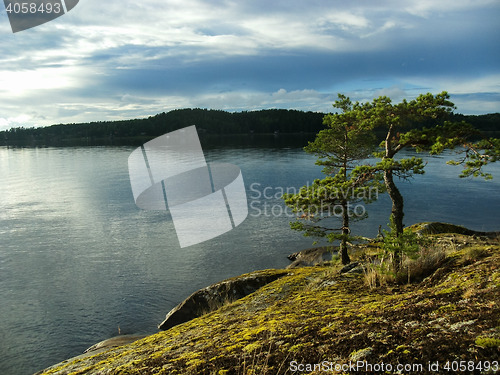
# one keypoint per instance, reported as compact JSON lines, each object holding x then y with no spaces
{"x":428,"y":260}
{"x":378,"y":275}
{"x":473,"y":254}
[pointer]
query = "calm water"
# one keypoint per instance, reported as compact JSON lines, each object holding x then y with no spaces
{"x":79,"y":261}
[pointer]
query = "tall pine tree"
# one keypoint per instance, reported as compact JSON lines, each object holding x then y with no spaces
{"x":341,"y":149}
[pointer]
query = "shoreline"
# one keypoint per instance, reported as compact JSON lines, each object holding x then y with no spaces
{"x":287,"y":280}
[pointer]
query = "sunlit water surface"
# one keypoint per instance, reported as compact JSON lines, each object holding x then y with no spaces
{"x":79,"y":262}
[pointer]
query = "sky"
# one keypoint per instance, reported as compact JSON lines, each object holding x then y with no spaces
{"x":127,"y":59}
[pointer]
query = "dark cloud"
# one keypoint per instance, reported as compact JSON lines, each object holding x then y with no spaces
{"x":127,"y":61}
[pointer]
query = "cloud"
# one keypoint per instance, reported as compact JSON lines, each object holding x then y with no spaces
{"x":17,"y":82}
{"x":128,"y":59}
{"x":307,"y":99}
{"x":14,"y":122}
{"x":477,"y":103}
{"x":426,"y":8}
{"x":471,"y":95}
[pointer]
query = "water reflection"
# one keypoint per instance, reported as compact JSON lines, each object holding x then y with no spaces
{"x":78,"y":258}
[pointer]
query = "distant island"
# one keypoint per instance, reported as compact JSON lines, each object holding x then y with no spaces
{"x":208,"y":121}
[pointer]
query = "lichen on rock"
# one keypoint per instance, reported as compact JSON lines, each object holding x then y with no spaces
{"x":314,"y":314}
{"x":214,"y":296}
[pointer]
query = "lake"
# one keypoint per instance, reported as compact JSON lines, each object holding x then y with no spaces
{"x":79,"y":262}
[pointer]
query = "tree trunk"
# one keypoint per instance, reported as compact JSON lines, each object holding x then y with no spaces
{"x":345,"y":231}
{"x":396,"y":197}
{"x":345,"y":206}
{"x":397,"y":212}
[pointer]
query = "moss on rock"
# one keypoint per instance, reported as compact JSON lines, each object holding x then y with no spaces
{"x":315,"y":314}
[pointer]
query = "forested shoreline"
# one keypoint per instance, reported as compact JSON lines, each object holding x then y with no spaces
{"x":216,"y":122}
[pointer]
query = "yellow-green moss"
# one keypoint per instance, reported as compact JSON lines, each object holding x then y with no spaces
{"x":314,"y":314}
{"x":488,"y":342}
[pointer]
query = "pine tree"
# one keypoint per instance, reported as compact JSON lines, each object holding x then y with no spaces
{"x":401,"y":124}
{"x":340,"y":149}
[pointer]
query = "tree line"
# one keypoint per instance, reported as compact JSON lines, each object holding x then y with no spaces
{"x":137,"y":131}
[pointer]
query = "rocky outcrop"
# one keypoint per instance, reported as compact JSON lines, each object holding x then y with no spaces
{"x":310,"y":257}
{"x":114,"y":342}
{"x":95,"y":349}
{"x":214,"y":296}
{"x":439,"y":228}
{"x":310,"y":310}
{"x":354,"y":267}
